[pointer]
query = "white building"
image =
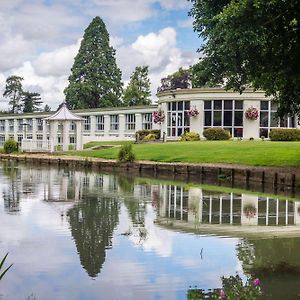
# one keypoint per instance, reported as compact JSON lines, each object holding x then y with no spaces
{"x":216,"y":107}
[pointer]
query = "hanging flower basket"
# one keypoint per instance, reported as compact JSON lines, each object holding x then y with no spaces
{"x":249,"y":211}
{"x":251,"y":113}
{"x":193,"y":112}
{"x":158,"y":116}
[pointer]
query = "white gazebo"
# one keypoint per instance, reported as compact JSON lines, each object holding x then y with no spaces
{"x":60,"y":125}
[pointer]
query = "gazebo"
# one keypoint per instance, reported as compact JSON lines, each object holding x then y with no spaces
{"x":60,"y":127}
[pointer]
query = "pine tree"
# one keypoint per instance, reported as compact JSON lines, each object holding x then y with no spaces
{"x":47,"y":108}
{"x":138,"y":90}
{"x":13,"y":91}
{"x":31,"y":102}
{"x":95,"y":79}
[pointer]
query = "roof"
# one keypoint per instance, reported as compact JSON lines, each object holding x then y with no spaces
{"x":63,"y":114}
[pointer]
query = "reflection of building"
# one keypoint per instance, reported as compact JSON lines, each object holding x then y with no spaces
{"x":195,"y":205}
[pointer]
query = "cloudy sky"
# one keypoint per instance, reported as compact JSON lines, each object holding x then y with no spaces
{"x":40,"y":38}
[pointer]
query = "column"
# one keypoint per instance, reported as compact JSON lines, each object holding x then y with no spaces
{"x":138,"y":122}
{"x":53,"y":135}
{"x":34,"y":129}
{"x":251,"y":127}
{"x":93,"y":126}
{"x":79,"y":145}
{"x":6,"y":129}
{"x":106,"y":126}
{"x":121,"y":126}
{"x":66,"y":135}
{"x":15,"y":129}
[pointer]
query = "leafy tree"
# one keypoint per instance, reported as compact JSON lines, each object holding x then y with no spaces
{"x":138,"y":90}
{"x":250,"y":43}
{"x":31,"y":102}
{"x":47,"y":108}
{"x":181,"y":79}
{"x":95,"y":79}
{"x":13,"y":91}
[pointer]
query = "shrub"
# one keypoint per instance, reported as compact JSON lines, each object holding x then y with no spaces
{"x":150,"y":137}
{"x":284,"y":134}
{"x":145,"y":132}
{"x":126,"y":154}
{"x":10,"y":146}
{"x":215,"y":134}
{"x":190,"y":136}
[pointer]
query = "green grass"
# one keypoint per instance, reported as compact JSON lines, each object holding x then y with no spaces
{"x":95,"y":143}
{"x":253,"y":153}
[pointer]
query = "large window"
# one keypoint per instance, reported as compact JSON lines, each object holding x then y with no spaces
{"x":178,"y":120}
{"x":29,"y":126}
{"x":147,"y":121}
{"x":39,"y":123}
{"x":100,"y":123}
{"x":11,"y":125}
{"x":2,"y":125}
{"x":269,"y":119}
{"x":20,"y":125}
{"x":130,"y":122}
{"x":227,"y":114}
{"x":114,"y":122}
{"x":87,"y":123}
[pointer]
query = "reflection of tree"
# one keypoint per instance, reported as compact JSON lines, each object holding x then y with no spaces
{"x":92,"y":224}
{"x":276,"y":262}
{"x":11,"y":194}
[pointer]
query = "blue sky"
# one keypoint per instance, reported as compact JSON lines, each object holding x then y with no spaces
{"x":39,"y":39}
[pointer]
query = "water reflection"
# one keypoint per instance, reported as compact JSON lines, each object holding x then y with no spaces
{"x":138,"y":238}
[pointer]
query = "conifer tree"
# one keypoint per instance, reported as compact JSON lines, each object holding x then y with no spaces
{"x":95,"y":79}
{"x":31,"y":102}
{"x":13,"y":91}
{"x":138,"y":90}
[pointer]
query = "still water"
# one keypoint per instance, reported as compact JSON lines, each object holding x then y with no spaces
{"x":84,"y":235}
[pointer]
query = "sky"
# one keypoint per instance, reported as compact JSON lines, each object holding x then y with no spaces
{"x":40,"y":38}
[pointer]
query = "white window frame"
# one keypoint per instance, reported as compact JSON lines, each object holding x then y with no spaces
{"x":130,"y":122}
{"x":114,"y":122}
{"x":87,"y":123}
{"x":147,"y":121}
{"x":100,"y":123}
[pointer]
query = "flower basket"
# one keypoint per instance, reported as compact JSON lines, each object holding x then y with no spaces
{"x":193,"y":112}
{"x":249,"y":211}
{"x":158,"y":116}
{"x":251,"y":113}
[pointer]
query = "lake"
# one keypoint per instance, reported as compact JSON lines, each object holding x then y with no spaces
{"x":83,"y":235}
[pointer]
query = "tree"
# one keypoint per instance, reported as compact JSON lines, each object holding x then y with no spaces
{"x":47,"y":108}
{"x":95,"y":79}
{"x":250,"y":43}
{"x":181,"y":79}
{"x":31,"y":102}
{"x":138,"y":90}
{"x":13,"y":91}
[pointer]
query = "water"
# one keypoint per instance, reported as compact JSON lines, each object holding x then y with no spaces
{"x":84,"y":235}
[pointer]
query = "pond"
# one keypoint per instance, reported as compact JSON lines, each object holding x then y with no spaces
{"x":83,"y":235}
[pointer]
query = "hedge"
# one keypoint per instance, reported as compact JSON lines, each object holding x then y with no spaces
{"x":190,"y":136}
{"x":143,"y":133}
{"x":216,"y":134}
{"x":284,"y":134}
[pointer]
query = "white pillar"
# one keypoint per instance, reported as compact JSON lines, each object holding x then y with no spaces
{"x":138,"y":122}
{"x":121,"y":126}
{"x":79,"y":145}
{"x":53,"y":134}
{"x":66,"y":138}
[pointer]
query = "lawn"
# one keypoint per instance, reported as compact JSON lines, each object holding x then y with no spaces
{"x":255,"y":153}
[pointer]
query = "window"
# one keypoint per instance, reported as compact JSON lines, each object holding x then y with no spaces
{"x":72,"y":126}
{"x":130,"y":121}
{"x":147,"y":121}
{"x":227,"y":114}
{"x":20,"y":126}
{"x":39,"y":137}
{"x":39,"y":123}
{"x":178,"y":120}
{"x":72,"y":140}
{"x":114,"y":122}
{"x":269,"y":119}
{"x":87,"y":123}
{"x":100,"y":123}
{"x":29,"y":126}
{"x":2,"y":140}
{"x":11,"y":125}
{"x":2,"y":125}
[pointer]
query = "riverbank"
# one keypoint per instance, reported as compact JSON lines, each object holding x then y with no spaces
{"x":281,"y":180}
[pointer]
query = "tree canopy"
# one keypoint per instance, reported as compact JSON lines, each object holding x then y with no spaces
{"x":250,"y":43}
{"x":13,"y":91}
{"x":138,"y":90}
{"x":95,"y":79}
{"x":181,"y":79}
{"x":31,"y":102}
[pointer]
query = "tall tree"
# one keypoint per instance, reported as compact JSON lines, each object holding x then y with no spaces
{"x":47,"y":108}
{"x":95,"y":79}
{"x":13,"y":91}
{"x":251,"y":43}
{"x":31,"y":102}
{"x":138,"y":90}
{"x":181,"y":79}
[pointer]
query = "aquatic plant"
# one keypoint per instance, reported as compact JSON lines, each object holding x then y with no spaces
{"x":2,"y":273}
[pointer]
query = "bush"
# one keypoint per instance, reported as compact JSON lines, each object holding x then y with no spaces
{"x":10,"y":146}
{"x":143,"y":133}
{"x":214,"y":134}
{"x":126,"y":154}
{"x":284,"y":134}
{"x":190,"y":136}
{"x":150,"y":137}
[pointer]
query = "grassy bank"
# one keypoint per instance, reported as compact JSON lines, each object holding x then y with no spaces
{"x":253,"y":153}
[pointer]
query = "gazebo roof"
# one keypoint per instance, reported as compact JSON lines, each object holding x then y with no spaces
{"x":63,"y":114}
